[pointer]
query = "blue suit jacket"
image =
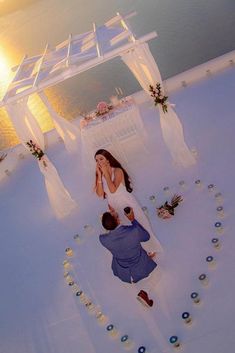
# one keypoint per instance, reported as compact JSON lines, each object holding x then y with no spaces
{"x":130,"y":261}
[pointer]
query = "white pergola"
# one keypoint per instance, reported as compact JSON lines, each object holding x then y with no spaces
{"x":77,"y":54}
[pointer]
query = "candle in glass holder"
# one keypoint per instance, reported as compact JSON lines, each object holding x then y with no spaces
{"x":75,"y":288}
{"x":101,"y":318}
{"x":142,"y":349}
{"x":211,"y":187}
{"x":211,"y":261}
{"x":112,"y":331}
{"x":88,"y":228}
{"x":203,"y":279}
{"x":127,"y":343}
{"x":198,"y":183}
{"x":166,"y":190}
{"x":69,"y":279}
{"x":67,"y":265}
{"x":66,"y":274}
{"x":216,"y":243}
{"x":220,"y":211}
{"x":219,"y":228}
{"x":77,"y":238}
{"x":145,"y":210}
{"x":152,"y":198}
{"x":218,"y":197}
{"x":187,"y":318}
{"x":195,"y":297}
{"x":69,"y":252}
{"x":174,"y":341}
{"x":90,"y":307}
{"x":84,"y":299}
{"x":182,"y":184}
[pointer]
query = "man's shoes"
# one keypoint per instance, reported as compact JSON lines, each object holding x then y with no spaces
{"x":144,"y":299}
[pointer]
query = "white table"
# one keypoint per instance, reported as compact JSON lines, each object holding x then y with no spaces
{"x":121,"y":132}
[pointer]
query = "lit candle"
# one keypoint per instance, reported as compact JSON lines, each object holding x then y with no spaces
{"x":219,"y":228}
{"x":187,"y":318}
{"x":182,"y":184}
{"x":211,"y":261}
{"x":211,"y":187}
{"x":77,"y":238}
{"x":166,"y":189}
{"x":69,"y":252}
{"x":127,"y":343}
{"x":101,"y":318}
{"x":75,"y":288}
{"x":67,"y":265}
{"x":203,"y":279}
{"x":195,"y":297}
{"x":174,"y":341}
{"x":69,"y":279}
{"x":90,"y":307}
{"x":152,"y":198}
{"x":220,"y":211}
{"x":112,"y":331}
{"x":88,"y":228}
{"x":142,"y":349}
{"x":198,"y":183}
{"x":218,"y":197}
{"x":145,"y":210}
{"x":7,"y":172}
{"x":216,"y":243}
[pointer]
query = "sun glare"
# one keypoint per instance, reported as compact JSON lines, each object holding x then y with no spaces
{"x":5,"y":71}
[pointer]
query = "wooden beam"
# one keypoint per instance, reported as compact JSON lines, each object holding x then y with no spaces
{"x":126,"y":27}
{"x":75,"y":70}
{"x":69,"y":49}
{"x":40,"y":66}
{"x":96,"y":40}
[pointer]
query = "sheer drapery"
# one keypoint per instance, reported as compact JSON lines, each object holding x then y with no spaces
{"x":27,"y":129}
{"x":142,"y":64}
{"x":25,"y":124}
{"x":60,"y":199}
{"x":68,"y":132}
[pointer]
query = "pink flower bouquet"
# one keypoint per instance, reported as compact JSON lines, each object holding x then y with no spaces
{"x":102,"y":108}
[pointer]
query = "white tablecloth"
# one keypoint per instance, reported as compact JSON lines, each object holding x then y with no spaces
{"x":121,"y":133}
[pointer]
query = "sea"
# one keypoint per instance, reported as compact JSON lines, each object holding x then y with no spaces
{"x":190,"y":32}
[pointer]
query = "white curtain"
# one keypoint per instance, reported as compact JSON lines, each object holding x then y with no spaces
{"x":68,"y":132}
{"x":27,"y":129}
{"x":25,"y":124}
{"x":142,"y":64}
{"x":60,"y":199}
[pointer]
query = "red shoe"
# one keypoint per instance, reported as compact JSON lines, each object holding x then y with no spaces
{"x":144,"y":299}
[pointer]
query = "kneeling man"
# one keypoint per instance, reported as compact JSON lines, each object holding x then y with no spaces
{"x":130,"y":261}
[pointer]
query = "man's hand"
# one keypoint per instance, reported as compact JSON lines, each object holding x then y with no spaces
{"x":130,"y":215}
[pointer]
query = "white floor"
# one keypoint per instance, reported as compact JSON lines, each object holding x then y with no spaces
{"x":38,"y":311}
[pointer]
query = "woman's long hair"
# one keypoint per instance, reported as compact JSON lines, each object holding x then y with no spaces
{"x":115,"y":164}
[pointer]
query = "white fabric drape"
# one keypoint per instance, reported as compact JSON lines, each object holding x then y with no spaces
{"x":142,"y":64}
{"x":60,"y":199}
{"x":27,"y":129}
{"x":68,"y":132}
{"x":25,"y":124}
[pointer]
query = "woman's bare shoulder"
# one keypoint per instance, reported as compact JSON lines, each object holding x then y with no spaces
{"x":118,"y":171}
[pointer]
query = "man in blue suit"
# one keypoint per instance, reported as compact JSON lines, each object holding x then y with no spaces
{"x":130,"y":261}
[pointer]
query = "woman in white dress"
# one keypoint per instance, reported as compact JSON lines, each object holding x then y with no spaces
{"x":113,"y":184}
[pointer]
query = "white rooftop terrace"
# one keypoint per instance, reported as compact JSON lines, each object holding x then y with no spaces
{"x":39,"y":312}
